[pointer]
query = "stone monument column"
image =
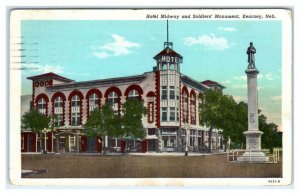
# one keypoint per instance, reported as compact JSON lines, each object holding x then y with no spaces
{"x":253,"y":135}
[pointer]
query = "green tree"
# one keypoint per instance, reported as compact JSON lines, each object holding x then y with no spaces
{"x":94,"y":124}
{"x":38,"y":123}
{"x":271,"y":137}
{"x":132,"y":126}
{"x":239,"y":124}
{"x":221,"y":112}
{"x":103,"y":123}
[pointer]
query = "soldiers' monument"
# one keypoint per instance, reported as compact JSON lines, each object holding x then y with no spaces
{"x":253,"y":135}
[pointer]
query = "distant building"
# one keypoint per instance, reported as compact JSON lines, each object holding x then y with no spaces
{"x":171,"y":98}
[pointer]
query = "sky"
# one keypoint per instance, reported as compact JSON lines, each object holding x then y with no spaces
{"x":216,"y":50}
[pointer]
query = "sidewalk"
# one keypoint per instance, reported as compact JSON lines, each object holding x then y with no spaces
{"x":213,"y":152}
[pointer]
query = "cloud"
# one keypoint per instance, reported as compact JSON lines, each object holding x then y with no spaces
{"x":260,"y":76}
{"x":260,"y":88}
{"x":42,"y":68}
{"x":119,"y":46}
{"x":78,"y":74}
{"x":244,"y":78}
{"x":208,"y":41}
{"x":101,"y":55}
{"x":239,"y":86}
{"x":269,"y":76}
{"x":228,"y":29}
{"x":277,"y":98}
{"x":226,"y":82}
{"x":240,"y":98}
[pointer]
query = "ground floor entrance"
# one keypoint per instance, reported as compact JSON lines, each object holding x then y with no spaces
{"x":180,"y":139}
{"x":65,"y":142}
{"x":152,"y":145}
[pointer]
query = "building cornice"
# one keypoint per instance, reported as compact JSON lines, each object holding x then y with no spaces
{"x":101,"y":82}
{"x":193,"y":83}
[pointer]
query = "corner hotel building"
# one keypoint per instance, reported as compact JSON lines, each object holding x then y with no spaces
{"x":172,"y":100}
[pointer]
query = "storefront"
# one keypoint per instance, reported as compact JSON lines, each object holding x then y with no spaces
{"x":169,"y":139}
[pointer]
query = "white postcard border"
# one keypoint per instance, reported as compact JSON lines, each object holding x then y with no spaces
{"x":139,"y":14}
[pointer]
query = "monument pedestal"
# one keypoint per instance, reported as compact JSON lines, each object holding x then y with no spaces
{"x":253,"y":143}
{"x":253,"y":157}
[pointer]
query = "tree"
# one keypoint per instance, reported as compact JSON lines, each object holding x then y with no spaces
{"x":221,"y":112}
{"x":94,"y":124}
{"x":38,"y":123}
{"x":103,"y":123}
{"x":133,"y":111}
{"x":239,"y":125}
{"x":132,"y":126}
{"x":271,"y":137}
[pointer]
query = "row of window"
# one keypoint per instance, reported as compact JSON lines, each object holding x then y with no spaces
{"x":93,"y":100}
{"x":169,"y":66}
{"x":75,"y":105}
{"x":171,"y":115}
{"x":172,"y":94}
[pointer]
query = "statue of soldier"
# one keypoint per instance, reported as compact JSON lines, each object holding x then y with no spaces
{"x":251,"y":51}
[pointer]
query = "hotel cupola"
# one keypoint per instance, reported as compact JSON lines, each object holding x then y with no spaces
{"x":168,"y":59}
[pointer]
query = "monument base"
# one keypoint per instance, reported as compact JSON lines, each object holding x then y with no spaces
{"x":253,"y":157}
{"x":253,"y":151}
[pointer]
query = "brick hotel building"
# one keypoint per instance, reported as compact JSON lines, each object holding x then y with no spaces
{"x":172,"y":100}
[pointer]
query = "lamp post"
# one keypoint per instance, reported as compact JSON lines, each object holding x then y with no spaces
{"x":44,"y":131}
{"x":187,"y":129}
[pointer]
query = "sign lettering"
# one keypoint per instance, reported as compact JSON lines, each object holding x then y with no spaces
{"x":169,"y":59}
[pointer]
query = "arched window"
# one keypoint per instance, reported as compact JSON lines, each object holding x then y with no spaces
{"x":93,"y":101}
{"x":133,"y":94}
{"x":113,"y":98}
{"x":185,"y":106}
{"x":172,"y":66}
{"x":58,"y":111}
{"x":193,"y":109}
{"x":164,"y":66}
{"x":42,"y":104}
{"x":201,"y":104}
{"x":75,"y":110}
{"x":58,"y":102}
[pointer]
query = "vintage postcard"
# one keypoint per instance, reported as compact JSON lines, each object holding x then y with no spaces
{"x":150,"y":97}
